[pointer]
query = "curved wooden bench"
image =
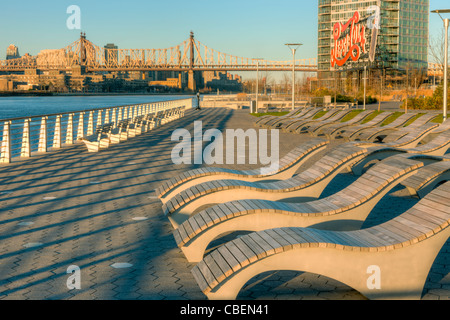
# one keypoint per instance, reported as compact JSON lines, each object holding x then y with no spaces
{"x":437,"y":146}
{"x":274,"y":122}
{"x":287,"y":167}
{"x":296,"y":112}
{"x":422,"y":122}
{"x":443,"y":127}
{"x":345,"y":210}
{"x":285,"y":124}
{"x":401,"y":251}
{"x":300,"y":125}
{"x":407,"y":144}
{"x":428,"y":178}
{"x":332,"y":129}
{"x":349,"y":132}
{"x":373,"y":134}
{"x":308,"y":184}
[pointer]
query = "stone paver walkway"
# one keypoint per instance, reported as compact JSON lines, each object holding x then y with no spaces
{"x":98,"y":211}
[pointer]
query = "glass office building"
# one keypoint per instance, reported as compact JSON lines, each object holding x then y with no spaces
{"x":401,"y":37}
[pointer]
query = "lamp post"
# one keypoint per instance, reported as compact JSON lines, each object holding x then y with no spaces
{"x":293,"y":47}
{"x":365,"y":82}
{"x":257,"y":81}
{"x":446,"y":24}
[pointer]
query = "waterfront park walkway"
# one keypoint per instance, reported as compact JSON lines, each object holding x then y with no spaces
{"x":99,"y":211}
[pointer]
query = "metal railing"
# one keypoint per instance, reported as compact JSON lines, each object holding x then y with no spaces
{"x":25,"y":136}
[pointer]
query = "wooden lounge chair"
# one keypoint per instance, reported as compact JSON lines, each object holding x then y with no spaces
{"x":275,"y":121}
{"x":387,"y":261}
{"x":287,"y":167}
{"x":286,"y":123}
{"x":306,"y":185}
{"x":445,"y":126}
{"x":348,"y":132}
{"x":330,"y":130}
{"x":372,"y":134}
{"x":428,"y":178}
{"x":298,"y":126}
{"x":345,"y":210}
{"x":407,"y":144}
{"x":422,"y":122}
{"x":297,"y":112}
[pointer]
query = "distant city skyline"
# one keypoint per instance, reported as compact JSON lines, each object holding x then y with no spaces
{"x":251,"y":29}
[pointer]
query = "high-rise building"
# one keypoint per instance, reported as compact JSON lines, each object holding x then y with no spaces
{"x":387,"y":34}
{"x":12,"y":52}
{"x":111,"y":53}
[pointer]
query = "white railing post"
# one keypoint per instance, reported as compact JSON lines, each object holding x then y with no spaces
{"x":80,"y":130}
{"x":90,"y":129}
{"x":107,"y":116}
{"x":120,"y":115}
{"x":69,"y":132}
{"x":114,"y":117}
{"x":130,"y":112}
{"x":42,"y":147}
{"x":25,"y":150}
{"x":99,"y":119}
{"x":57,"y":134}
{"x":6,"y":143}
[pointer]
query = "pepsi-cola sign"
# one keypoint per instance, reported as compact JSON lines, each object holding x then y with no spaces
{"x":349,"y":41}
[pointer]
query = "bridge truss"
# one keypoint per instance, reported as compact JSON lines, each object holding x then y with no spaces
{"x":190,"y":55}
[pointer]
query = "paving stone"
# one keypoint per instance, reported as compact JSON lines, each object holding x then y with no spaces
{"x":89,"y":223}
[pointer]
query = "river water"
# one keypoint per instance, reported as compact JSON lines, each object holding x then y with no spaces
{"x":20,"y":106}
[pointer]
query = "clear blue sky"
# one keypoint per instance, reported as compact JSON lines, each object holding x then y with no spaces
{"x":246,"y":28}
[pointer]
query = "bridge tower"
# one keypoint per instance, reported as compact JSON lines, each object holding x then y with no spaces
{"x":82,"y":48}
{"x":191,"y":77}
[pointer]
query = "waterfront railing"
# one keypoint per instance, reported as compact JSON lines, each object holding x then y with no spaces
{"x":27,"y":136}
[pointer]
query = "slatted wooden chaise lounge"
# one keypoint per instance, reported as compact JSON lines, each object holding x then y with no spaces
{"x":297,"y":126}
{"x":286,"y":123}
{"x":274,"y":122}
{"x":330,"y":129}
{"x":422,"y":122}
{"x":349,"y":132}
{"x":428,"y":178}
{"x":344,"y":210}
{"x":307,"y":184}
{"x":408,"y":144}
{"x":298,"y":112}
{"x":287,"y":167}
{"x":387,"y":261}
{"x":445,"y":126}
{"x":372,"y":134}
{"x":290,"y":114}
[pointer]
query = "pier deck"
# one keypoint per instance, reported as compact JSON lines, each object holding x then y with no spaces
{"x":99,"y":211}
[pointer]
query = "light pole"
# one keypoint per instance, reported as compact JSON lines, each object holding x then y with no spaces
{"x":257,"y":82}
{"x":293,"y":47}
{"x":365,"y":81}
{"x":446,"y":24}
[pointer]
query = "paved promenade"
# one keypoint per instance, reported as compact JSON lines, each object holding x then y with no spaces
{"x":98,"y":211}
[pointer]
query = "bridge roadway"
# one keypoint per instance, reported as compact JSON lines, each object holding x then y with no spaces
{"x":85,"y":209}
